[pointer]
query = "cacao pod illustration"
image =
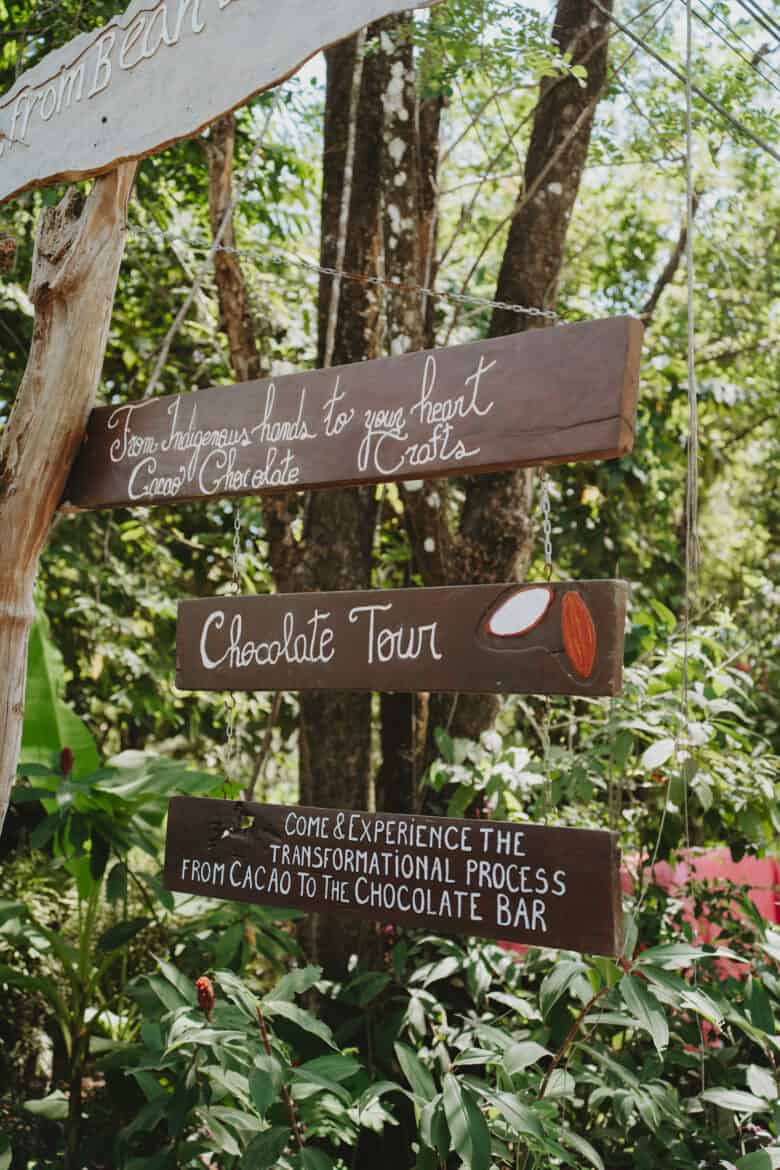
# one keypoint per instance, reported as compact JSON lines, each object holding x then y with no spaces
{"x":579,"y":634}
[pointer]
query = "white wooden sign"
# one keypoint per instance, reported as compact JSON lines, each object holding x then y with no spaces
{"x":159,"y":73}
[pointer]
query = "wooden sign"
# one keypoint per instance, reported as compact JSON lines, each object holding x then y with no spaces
{"x":561,"y":639}
{"x":160,"y":72}
{"x":545,"y":396}
{"x":532,"y":884}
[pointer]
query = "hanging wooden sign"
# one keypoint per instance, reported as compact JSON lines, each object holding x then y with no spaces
{"x":532,"y":884}
{"x":544,"y":396}
{"x":561,"y":639}
{"x":160,"y":72}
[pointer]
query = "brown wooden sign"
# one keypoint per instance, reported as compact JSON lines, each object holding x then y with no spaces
{"x":560,"y":639}
{"x":545,"y":396}
{"x":155,"y":74}
{"x":524,"y":883}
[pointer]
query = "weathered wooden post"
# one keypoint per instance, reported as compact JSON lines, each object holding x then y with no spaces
{"x":78,"y":252}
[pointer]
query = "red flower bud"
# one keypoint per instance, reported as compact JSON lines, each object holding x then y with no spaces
{"x":66,"y":761}
{"x":206,"y":997}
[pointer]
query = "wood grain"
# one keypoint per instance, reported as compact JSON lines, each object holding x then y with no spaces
{"x":544,"y":396}
{"x":397,"y":640}
{"x":160,"y":72}
{"x":532,"y":884}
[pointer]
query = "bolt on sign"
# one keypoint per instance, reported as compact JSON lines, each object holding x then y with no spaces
{"x":522,"y":883}
{"x":560,"y":639}
{"x":544,"y":396}
{"x":156,"y":74}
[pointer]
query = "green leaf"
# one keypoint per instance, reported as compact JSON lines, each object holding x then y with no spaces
{"x":49,"y":723}
{"x":295,"y":983}
{"x":265,"y":1082}
{"x":468,"y":1128}
{"x":416,"y":1073}
{"x":768,"y":1159}
{"x":6,"y":1153}
{"x":122,"y":933}
{"x":657,"y":754}
{"x":296,"y":1015}
{"x":521,"y":1055}
{"x":53,"y":1108}
{"x":335,"y":1067}
{"x":574,"y":1142}
{"x":646,"y":1009}
{"x":558,"y":982}
{"x":680,"y":954}
{"x":761,"y":1082}
{"x":237,"y":992}
{"x":433,"y":1127}
{"x":518,"y":1116}
{"x":735,"y":1100}
{"x":116,"y":882}
{"x":310,"y":1158}
{"x":265,"y":1150}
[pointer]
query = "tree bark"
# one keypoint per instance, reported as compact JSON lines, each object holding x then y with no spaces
{"x":336,"y":550}
{"x":235,"y":310}
{"x":495,"y":536}
{"x":78,"y":252}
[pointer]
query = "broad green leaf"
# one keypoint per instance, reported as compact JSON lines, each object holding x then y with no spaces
{"x":336,"y":1067}
{"x":646,"y":1009}
{"x":122,"y":933}
{"x":681,"y":954}
{"x":416,"y":1073}
{"x":6,"y":1153}
{"x":266,"y":1149}
{"x":761,"y":1082}
{"x":296,"y":1015}
{"x":265,"y":1082}
{"x":657,"y":754}
{"x":53,"y":1108}
{"x":294,"y":983}
{"x":522,"y":1054}
{"x":558,"y":982}
{"x":735,"y":1100}
{"x":768,"y":1159}
{"x":237,"y":992}
{"x":468,"y":1128}
{"x":310,"y":1158}
{"x":307,"y":1084}
{"x":49,"y":723}
{"x":433,"y":1127}
{"x":573,"y":1140}
{"x":518,"y":1116}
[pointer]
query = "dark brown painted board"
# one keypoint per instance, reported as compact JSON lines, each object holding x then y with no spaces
{"x":560,"y":639}
{"x":532,"y":884}
{"x":544,"y":396}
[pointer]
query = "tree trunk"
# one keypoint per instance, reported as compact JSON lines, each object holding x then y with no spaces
{"x":78,"y":252}
{"x":235,"y":311}
{"x":495,"y":537}
{"x":336,"y":551}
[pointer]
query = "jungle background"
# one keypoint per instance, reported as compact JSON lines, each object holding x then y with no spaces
{"x":528,"y":155}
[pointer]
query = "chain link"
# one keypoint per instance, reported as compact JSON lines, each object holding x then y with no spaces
{"x":275,"y":256}
{"x":544,"y":503}
{"x":235,"y":584}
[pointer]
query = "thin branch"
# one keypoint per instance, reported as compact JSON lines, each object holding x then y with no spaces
{"x":669,"y":270}
{"x":265,"y":747}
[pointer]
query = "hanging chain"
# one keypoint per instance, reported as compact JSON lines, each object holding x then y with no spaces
{"x":278,"y":257}
{"x":544,"y":503}
{"x":235,"y":584}
{"x":232,"y":731}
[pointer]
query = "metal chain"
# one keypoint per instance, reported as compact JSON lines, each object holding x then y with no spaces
{"x":232,"y":731}
{"x":235,"y":584}
{"x":275,"y":256}
{"x":544,"y":503}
